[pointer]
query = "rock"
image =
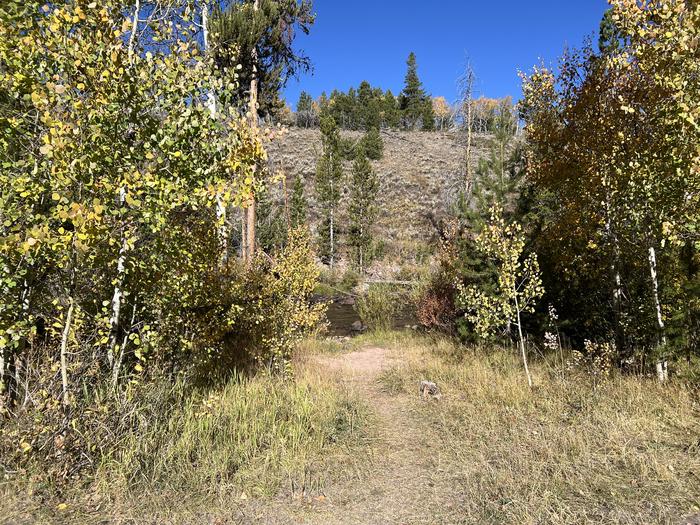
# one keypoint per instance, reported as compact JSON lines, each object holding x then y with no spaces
{"x":357,"y":326}
{"x":429,"y":390}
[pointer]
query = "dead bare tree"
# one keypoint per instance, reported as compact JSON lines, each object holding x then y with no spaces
{"x":466,"y":85}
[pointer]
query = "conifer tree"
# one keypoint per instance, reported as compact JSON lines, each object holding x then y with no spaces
{"x":413,"y":97}
{"x":271,"y":230}
{"x":305,"y":110}
{"x":372,"y":144}
{"x":329,"y":173}
{"x":390,"y":111}
{"x":497,"y":175}
{"x":362,"y":208}
{"x":428,"y":116}
{"x":298,"y":208}
{"x":260,"y":39}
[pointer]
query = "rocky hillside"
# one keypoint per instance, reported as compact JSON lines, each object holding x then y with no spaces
{"x":419,"y":174}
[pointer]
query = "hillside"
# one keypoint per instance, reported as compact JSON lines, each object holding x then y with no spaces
{"x":419,"y":173}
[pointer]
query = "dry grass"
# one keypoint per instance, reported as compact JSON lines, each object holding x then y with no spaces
{"x":491,"y":451}
{"x":219,"y":454}
{"x":627,"y":451}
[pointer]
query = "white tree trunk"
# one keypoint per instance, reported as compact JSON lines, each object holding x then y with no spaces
{"x":223,"y":230}
{"x":662,"y":364}
{"x":118,"y":292}
{"x":253,"y":109}
{"x":251,"y":230}
{"x":332,"y":240}
{"x":116,"y":369}
{"x":362,"y":249}
{"x":117,"y":297}
{"x":211,"y":96}
{"x":522,"y":340}
{"x":244,"y":242}
{"x":64,"y":350}
{"x":134,"y":30}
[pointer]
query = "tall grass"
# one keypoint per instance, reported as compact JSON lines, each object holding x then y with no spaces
{"x":572,"y":450}
{"x":185,"y":451}
{"x":251,"y":435}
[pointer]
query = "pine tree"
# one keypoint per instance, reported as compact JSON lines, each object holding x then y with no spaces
{"x":413,"y":97}
{"x":372,"y":144}
{"x":269,"y":30}
{"x":298,"y":208}
{"x":305,"y":110}
{"x":497,"y":175}
{"x":362,"y":208}
{"x":428,"y":117}
{"x":271,"y":229}
{"x":329,"y":174}
{"x":390,"y":111}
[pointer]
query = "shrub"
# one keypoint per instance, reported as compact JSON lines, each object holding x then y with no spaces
{"x":272,"y":310}
{"x":349,"y":280}
{"x":378,"y":307}
{"x":435,"y":304}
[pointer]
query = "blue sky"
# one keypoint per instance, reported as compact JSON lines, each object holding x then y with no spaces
{"x":371,"y":39}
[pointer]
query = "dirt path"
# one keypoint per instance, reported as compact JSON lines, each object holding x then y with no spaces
{"x":403,"y":485}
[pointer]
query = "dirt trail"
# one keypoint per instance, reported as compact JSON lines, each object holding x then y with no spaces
{"x":404,"y":483}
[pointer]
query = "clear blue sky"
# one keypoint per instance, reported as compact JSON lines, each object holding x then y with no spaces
{"x":371,"y":39}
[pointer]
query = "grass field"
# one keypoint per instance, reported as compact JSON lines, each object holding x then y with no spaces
{"x":349,"y":441}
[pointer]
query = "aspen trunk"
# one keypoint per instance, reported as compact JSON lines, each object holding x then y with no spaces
{"x":121,"y":260}
{"x":118,"y":361}
{"x":362,"y":250}
{"x":332,"y":240}
{"x":117,"y":296}
{"x":251,"y":231}
{"x":253,"y":110}
{"x":661,"y":364}
{"x":617,"y":281}
{"x":134,"y":30}
{"x":244,"y":243}
{"x":211,"y":96}
{"x":522,"y":340}
{"x":222,"y":229}
{"x":64,"y":350}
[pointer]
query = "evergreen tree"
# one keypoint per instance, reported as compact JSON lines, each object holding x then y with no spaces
{"x":413,"y":98}
{"x":239,"y":29}
{"x":329,"y":173}
{"x":271,"y":229}
{"x":323,"y":102}
{"x":391,"y":118}
{"x":372,"y":144}
{"x":368,"y":106}
{"x":298,"y":208}
{"x":428,"y":117}
{"x":305,"y":110}
{"x":362,"y":208}
{"x":497,"y":177}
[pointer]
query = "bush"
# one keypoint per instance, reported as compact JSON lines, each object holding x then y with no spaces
{"x":272,"y":309}
{"x":349,"y":280}
{"x":378,"y":307}
{"x":435,"y":304}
